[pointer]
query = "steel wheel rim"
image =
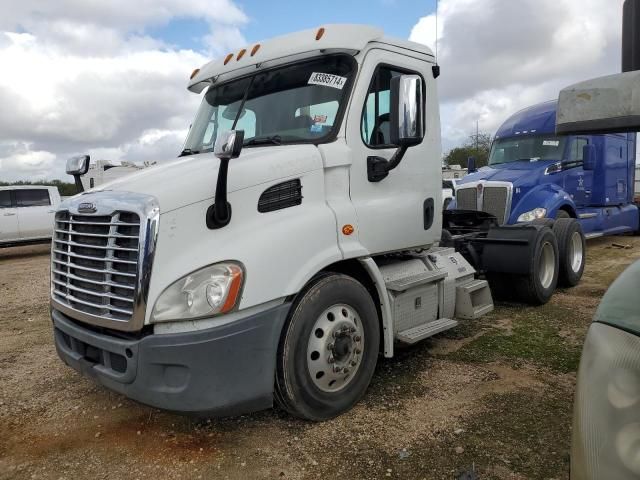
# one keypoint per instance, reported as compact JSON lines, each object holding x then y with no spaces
{"x":576,"y":252}
{"x":335,"y":348}
{"x":547,"y":265}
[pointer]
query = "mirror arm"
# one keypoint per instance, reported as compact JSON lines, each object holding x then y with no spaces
{"x":219,"y":214}
{"x":397,"y":158}
{"x":79,"y":187}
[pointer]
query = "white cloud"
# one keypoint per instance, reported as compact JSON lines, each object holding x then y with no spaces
{"x":498,"y":56}
{"x":82,"y":76}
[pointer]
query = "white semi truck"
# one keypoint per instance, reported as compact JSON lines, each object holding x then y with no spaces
{"x":299,"y":235}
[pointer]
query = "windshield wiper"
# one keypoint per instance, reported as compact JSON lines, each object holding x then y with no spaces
{"x":188,"y":151}
{"x":270,"y":140}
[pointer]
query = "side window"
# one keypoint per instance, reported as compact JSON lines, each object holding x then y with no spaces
{"x":375,"y":117}
{"x":36,"y":197}
{"x":5,"y":199}
{"x":575,"y":155}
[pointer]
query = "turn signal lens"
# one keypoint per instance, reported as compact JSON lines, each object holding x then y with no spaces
{"x":194,"y":73}
{"x":241,"y":54}
{"x":320,"y":33}
{"x":228,"y":58}
{"x":255,"y":49}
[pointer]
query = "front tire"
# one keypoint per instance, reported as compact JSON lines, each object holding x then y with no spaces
{"x":329,"y":348}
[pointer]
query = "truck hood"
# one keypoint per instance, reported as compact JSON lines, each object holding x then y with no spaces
{"x":521,"y":174}
{"x":187,"y":180}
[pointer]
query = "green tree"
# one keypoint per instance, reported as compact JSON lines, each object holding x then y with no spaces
{"x":66,"y":189}
{"x":478,"y":146}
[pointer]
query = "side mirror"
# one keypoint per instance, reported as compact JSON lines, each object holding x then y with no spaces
{"x":407,"y":115}
{"x":78,"y":166}
{"x":471,"y":165}
{"x":589,"y":157}
{"x":229,"y":144}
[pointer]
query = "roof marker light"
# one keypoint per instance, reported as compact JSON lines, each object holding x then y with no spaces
{"x":241,"y":54}
{"x":320,"y":33}
{"x":194,"y":73}
{"x":228,"y":58}
{"x":255,"y":49}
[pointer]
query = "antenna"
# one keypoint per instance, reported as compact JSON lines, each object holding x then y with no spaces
{"x":436,"y":68}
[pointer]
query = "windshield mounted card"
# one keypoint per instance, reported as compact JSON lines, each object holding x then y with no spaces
{"x":327,"y":80}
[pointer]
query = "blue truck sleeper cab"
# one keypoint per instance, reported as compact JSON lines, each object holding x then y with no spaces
{"x":533,"y":173}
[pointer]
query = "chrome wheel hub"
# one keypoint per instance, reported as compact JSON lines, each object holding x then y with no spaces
{"x":547,"y":265}
{"x":575,"y":252}
{"x":335,"y":348}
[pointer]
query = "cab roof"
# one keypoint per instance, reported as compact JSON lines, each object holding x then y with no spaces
{"x":306,"y":43}
{"x":539,"y":119}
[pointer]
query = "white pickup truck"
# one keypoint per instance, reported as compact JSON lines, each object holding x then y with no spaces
{"x":26,"y":214}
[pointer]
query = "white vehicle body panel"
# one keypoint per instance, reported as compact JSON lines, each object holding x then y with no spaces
{"x":26,"y":223}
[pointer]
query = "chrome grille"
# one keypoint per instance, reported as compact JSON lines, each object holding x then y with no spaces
{"x":94,"y":264}
{"x":494,"y":201}
{"x":467,"y":198}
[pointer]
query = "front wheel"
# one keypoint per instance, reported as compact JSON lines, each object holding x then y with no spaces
{"x":329,"y":348}
{"x":538,"y":285}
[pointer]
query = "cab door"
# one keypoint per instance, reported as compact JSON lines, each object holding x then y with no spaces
{"x":577,"y":181}
{"x":8,"y":217}
{"x":35,"y":213}
{"x":404,"y":209}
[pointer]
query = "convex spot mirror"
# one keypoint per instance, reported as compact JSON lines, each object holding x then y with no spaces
{"x":407,"y":110}
{"x":229,"y":144}
{"x":78,"y":165}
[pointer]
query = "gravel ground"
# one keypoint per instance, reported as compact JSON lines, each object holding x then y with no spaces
{"x":491,"y":397}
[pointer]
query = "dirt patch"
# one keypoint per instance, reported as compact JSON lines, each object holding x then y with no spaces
{"x":493,"y":396}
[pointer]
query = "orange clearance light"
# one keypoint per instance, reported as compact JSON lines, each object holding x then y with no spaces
{"x":347,"y":229}
{"x":255,"y":49}
{"x":241,"y":54}
{"x":228,"y":58}
{"x":194,"y":73}
{"x":320,"y":33}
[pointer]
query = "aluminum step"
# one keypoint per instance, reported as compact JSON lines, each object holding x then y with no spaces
{"x":425,"y":330}
{"x":405,"y":283}
{"x":473,"y":300}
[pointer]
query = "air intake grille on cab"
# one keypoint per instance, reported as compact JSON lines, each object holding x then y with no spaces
{"x":283,"y":195}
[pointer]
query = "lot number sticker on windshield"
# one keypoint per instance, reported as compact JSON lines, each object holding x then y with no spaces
{"x":551,"y":143}
{"x":327,"y":80}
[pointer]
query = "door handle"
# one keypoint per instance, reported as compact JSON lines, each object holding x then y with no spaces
{"x":9,"y":214}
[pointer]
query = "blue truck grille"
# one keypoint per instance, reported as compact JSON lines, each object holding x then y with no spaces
{"x":494,"y":200}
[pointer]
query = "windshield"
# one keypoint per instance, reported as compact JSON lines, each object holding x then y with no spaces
{"x":291,"y":104}
{"x":529,"y":149}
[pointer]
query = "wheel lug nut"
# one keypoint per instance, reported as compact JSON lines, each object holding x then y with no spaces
{"x":352,"y":330}
{"x":331,"y":359}
{"x":357,"y":338}
{"x":358,"y":351}
{"x":345,"y":370}
{"x":353,"y":363}
{"x":331,"y":346}
{"x":336,"y":369}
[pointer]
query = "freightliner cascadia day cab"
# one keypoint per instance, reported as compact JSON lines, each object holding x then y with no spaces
{"x":535,"y":174}
{"x":298,"y":236}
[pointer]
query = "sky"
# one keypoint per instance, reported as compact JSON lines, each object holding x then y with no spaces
{"x":108,"y":78}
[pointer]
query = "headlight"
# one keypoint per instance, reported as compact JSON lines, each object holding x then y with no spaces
{"x":532,"y":215}
{"x":209,"y":291}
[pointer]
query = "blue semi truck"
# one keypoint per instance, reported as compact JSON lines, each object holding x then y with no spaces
{"x":535,"y":174}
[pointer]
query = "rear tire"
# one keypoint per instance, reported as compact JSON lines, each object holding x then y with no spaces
{"x":572,"y":250}
{"x":328,"y":350}
{"x":537,"y":287}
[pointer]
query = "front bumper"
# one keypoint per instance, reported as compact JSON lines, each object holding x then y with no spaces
{"x":220,"y":371}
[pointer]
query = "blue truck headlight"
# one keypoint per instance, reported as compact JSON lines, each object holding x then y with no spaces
{"x":532,"y":215}
{"x":209,"y":291}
